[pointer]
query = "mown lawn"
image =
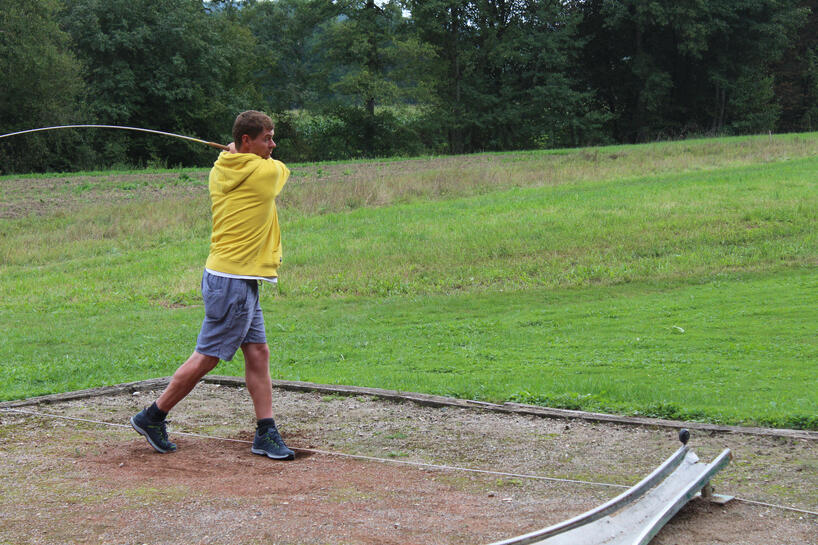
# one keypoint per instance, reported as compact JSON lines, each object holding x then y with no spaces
{"x":673,"y":279}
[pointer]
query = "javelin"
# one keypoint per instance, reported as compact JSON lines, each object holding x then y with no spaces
{"x":211,"y":144}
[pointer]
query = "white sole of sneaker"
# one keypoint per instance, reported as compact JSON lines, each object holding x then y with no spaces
{"x":268,"y":455}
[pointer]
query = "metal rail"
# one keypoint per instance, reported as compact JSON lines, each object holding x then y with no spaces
{"x":635,"y":516}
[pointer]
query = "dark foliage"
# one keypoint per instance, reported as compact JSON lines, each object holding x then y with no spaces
{"x":359,"y":78}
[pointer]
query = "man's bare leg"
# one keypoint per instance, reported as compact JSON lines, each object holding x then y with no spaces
{"x":268,"y":441}
{"x":185,"y":379}
{"x":257,"y":378}
{"x":150,"y":422}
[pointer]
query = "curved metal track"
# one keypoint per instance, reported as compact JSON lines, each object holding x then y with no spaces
{"x":635,"y":516}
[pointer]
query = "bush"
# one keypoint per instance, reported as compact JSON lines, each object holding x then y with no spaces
{"x":351,"y":133}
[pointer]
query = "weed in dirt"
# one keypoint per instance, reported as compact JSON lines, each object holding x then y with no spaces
{"x":152,"y":494}
{"x":507,"y":483}
{"x":349,"y":494}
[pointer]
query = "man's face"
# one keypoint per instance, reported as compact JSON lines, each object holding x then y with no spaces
{"x":262,"y":145}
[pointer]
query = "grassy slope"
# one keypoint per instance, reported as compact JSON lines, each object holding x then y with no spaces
{"x":672,"y":279}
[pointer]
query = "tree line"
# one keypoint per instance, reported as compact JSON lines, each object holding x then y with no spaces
{"x":360,"y":78}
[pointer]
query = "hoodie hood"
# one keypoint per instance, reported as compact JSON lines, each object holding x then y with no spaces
{"x":232,"y":169}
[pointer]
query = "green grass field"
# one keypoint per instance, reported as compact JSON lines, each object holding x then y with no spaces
{"x":674,"y":279}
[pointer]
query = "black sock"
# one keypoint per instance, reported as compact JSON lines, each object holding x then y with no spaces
{"x":155,"y":413}
{"x":263,"y":425}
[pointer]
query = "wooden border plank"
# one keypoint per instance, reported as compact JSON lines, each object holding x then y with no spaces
{"x":426,"y":400}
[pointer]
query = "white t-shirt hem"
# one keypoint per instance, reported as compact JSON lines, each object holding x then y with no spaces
{"x":270,"y":279}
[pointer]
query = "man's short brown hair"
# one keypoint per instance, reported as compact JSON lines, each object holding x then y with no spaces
{"x":251,"y":123}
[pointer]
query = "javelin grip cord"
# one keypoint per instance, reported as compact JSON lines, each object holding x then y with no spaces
{"x":205,"y":142}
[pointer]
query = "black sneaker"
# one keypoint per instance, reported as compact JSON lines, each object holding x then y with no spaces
{"x":271,"y":445}
{"x":155,"y":432}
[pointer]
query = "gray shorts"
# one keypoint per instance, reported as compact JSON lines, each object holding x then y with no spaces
{"x":232,"y":316}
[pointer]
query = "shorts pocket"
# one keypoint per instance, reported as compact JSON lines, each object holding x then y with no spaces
{"x":216,"y":308}
{"x":212,"y":283}
{"x":215,"y":297}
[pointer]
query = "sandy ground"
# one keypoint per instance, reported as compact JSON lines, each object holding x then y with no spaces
{"x":66,"y":481}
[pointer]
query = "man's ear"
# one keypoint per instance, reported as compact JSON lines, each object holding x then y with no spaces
{"x":245,"y":139}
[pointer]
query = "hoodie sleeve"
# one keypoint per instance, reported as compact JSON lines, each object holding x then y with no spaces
{"x":279,"y":172}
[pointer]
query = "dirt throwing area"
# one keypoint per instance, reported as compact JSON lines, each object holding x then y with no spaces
{"x":68,"y":481}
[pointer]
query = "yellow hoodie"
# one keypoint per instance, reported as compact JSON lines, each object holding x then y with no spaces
{"x":246,"y":239}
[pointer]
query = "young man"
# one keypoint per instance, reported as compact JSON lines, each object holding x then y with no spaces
{"x":245,"y":249}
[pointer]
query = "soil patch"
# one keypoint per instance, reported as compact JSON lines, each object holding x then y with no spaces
{"x":42,"y":196}
{"x":66,"y":481}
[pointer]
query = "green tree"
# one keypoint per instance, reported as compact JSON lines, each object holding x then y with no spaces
{"x":362,"y":45}
{"x":750,"y":36}
{"x":443,"y":25}
{"x":503,"y":73}
{"x":167,"y":65}
{"x":671,"y":68}
{"x":40,"y":85}
{"x":374,"y":62}
{"x":526,"y":55}
{"x":796,"y":77}
{"x":293,"y":74}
